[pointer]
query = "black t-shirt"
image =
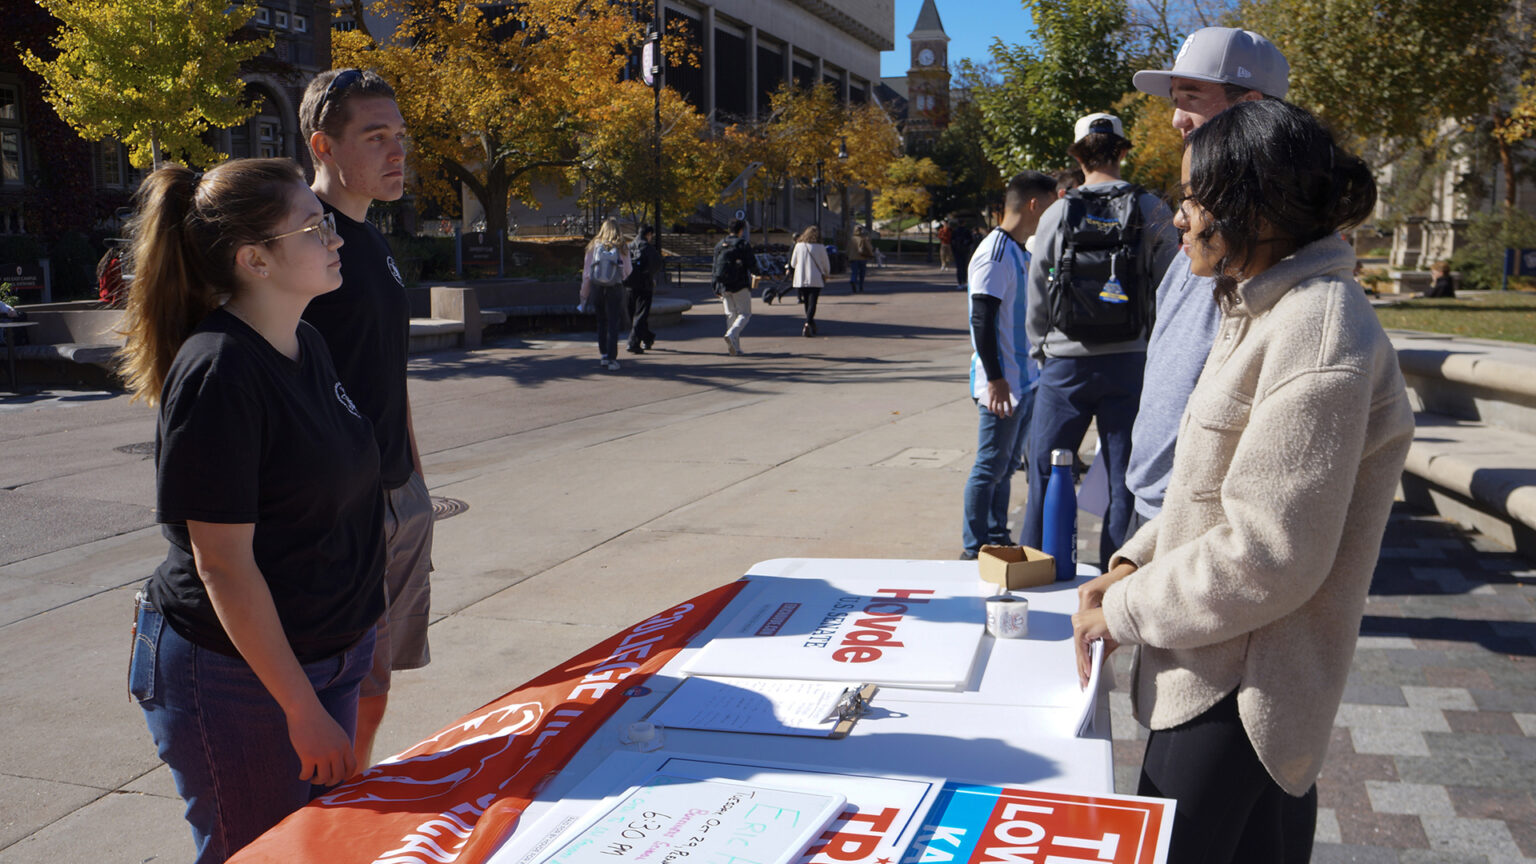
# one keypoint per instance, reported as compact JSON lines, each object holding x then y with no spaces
{"x":367,"y":325}
{"x":247,"y":435}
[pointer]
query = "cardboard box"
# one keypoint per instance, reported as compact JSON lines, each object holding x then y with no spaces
{"x":1015,"y":567}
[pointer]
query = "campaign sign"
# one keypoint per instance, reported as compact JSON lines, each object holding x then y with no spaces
{"x":874,"y":630}
{"x":997,"y":825}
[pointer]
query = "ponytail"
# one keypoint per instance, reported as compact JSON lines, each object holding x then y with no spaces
{"x":184,"y":233}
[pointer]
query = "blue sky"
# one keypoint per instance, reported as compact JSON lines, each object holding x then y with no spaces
{"x":971,"y":24}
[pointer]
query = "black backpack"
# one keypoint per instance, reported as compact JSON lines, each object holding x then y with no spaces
{"x":1098,"y":292}
{"x":731,"y":270}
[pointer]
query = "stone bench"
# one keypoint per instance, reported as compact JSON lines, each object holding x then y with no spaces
{"x":1473,"y":458}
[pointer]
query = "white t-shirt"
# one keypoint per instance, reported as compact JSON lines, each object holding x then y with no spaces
{"x":998,"y":269}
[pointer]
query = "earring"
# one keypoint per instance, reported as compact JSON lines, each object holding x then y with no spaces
{"x":263,"y":274}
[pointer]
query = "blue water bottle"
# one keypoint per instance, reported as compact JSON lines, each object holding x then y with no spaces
{"x":1060,"y":522}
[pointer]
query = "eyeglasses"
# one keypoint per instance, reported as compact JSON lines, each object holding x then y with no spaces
{"x":325,"y":228}
{"x":344,"y":79}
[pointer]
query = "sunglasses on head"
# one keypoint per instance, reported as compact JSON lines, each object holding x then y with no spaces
{"x":344,"y":79}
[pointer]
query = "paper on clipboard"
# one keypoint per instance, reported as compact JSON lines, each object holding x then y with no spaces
{"x":757,"y":705}
{"x":669,"y":817}
{"x":1090,"y":694}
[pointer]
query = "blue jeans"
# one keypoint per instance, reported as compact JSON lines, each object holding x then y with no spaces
{"x":856,"y":271}
{"x":224,"y":736}
{"x":1072,"y":391}
{"x":608,"y":301}
{"x":999,"y":446}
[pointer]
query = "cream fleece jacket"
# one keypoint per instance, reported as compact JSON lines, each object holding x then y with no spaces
{"x":1254,"y":575}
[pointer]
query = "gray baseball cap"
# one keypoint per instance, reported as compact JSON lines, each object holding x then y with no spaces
{"x":1225,"y":55}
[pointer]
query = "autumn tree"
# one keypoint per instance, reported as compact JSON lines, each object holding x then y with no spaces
{"x":494,"y":101}
{"x":154,"y":74}
{"x":1155,"y":159}
{"x":1074,"y":65}
{"x":810,"y":125}
{"x":619,"y":166}
{"x":906,"y":191}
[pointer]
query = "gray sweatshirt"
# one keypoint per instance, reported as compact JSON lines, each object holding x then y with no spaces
{"x":1159,"y":242}
{"x":1187,"y":320}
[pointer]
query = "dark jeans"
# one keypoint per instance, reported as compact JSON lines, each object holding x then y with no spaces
{"x":1071,"y":392}
{"x":999,"y":447}
{"x":637,"y":302}
{"x":856,"y":273}
{"x":608,"y":301}
{"x":1230,"y":809}
{"x":223,"y":735}
{"x":812,"y":293}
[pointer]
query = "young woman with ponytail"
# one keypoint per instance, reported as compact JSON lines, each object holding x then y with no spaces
{"x":1244,"y":595}
{"x":252,"y":637}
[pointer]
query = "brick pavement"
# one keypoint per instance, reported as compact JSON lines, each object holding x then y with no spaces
{"x":1434,"y":747}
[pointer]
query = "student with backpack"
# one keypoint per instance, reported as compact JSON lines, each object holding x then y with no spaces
{"x":1099,"y":255}
{"x":731,"y":279}
{"x":640,"y":289}
{"x":603,"y":271}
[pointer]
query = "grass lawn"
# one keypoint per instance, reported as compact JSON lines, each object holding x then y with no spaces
{"x":1506,"y":315}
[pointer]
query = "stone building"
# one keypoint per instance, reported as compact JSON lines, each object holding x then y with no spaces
{"x":920,"y":101}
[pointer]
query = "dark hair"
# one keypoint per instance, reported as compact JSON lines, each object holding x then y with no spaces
{"x":1068,"y":178}
{"x":185,"y":231}
{"x":1097,"y":151}
{"x":1269,"y":163}
{"x":645,"y":231}
{"x":327,"y":99}
{"x":737,"y":226}
{"x":1026,"y":185}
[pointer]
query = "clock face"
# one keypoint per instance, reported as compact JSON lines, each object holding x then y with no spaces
{"x":925,"y":57}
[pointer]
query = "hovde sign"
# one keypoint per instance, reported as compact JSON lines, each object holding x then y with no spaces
{"x":878,"y":631}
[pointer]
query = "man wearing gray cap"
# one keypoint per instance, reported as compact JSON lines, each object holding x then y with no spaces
{"x":1216,"y":68}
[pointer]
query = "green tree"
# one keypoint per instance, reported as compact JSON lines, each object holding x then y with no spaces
{"x":1481,"y":260}
{"x":1076,"y":64}
{"x":906,"y":192}
{"x":154,"y":74}
{"x":974,"y":181}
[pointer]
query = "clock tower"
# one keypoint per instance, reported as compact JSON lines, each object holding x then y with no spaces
{"x":927,"y":80}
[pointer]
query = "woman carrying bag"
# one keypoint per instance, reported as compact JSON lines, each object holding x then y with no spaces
{"x":809,"y":263}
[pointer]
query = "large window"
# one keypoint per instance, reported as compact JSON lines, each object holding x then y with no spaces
{"x":686,"y":79}
{"x":731,"y":80}
{"x":11,"y":165}
{"x":770,"y":74}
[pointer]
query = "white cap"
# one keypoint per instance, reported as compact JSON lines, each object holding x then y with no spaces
{"x":1223,"y":55}
{"x":1097,"y":123}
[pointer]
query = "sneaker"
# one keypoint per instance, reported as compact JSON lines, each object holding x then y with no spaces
{"x":968,"y":555}
{"x":613,"y":365}
{"x":730,"y":346}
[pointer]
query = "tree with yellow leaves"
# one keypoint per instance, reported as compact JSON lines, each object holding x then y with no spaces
{"x":495,"y":97}
{"x":619,"y":158}
{"x":154,"y":74}
{"x":905,"y":194}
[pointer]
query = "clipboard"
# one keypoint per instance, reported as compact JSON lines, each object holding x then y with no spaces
{"x":765,"y":706}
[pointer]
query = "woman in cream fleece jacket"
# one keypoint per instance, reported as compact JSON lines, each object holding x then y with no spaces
{"x":1244,"y":596}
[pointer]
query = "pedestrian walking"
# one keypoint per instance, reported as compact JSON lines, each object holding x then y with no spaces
{"x":356,"y":138}
{"x":1244,"y":594}
{"x":808,"y":261}
{"x":640,"y":289}
{"x":603,"y":271}
{"x":253,"y":636}
{"x":860,"y":251}
{"x":946,"y":254}
{"x":731,"y":279}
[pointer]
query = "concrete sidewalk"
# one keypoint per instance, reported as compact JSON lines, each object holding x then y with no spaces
{"x":589,"y":499}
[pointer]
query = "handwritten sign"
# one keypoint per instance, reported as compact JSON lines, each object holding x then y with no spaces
{"x":682,"y":820}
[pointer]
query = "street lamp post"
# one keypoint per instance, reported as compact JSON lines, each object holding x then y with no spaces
{"x":819,"y":165}
{"x":654,"y":66}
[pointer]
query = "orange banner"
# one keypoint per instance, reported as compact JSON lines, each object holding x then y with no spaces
{"x":457,"y":795}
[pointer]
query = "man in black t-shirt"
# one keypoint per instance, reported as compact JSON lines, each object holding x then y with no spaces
{"x":357,"y":138}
